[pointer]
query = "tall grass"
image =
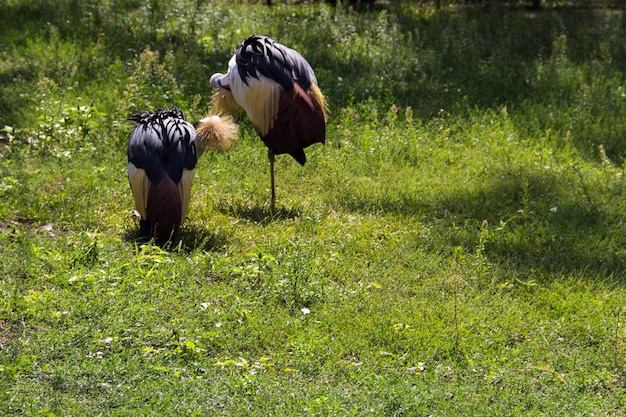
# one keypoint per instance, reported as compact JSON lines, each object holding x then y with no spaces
{"x":456,"y":247}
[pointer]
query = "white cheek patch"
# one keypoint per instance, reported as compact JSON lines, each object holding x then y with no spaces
{"x":220,"y":81}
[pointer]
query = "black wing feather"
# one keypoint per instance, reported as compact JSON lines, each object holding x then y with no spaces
{"x":161,"y":142}
{"x":273,"y":60}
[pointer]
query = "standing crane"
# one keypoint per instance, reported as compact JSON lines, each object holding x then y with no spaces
{"x":278,"y":90}
{"x":162,"y":152}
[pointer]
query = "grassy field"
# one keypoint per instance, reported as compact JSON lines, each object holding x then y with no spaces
{"x":457,"y":247}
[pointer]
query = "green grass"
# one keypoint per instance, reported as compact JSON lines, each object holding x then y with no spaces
{"x":456,"y":248}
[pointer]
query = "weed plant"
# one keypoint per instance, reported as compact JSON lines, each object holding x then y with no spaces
{"x":456,"y":247}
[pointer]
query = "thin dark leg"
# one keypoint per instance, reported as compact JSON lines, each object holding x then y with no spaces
{"x":270,"y":155}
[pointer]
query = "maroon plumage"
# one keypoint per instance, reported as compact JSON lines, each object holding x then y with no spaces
{"x":299,"y":123}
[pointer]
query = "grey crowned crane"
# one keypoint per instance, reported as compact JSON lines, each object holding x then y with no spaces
{"x":278,"y":90}
{"x":162,"y":152}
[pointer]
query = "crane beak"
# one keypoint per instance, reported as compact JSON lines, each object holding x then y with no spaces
{"x":220,"y":81}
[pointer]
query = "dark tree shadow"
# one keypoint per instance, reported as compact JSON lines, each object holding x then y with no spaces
{"x":527,"y":225}
{"x":527,"y":222}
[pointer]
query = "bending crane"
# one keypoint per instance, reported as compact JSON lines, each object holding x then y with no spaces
{"x":162,"y":153}
{"x":277,"y":89}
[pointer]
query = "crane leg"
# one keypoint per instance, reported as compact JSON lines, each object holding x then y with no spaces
{"x":270,"y":156}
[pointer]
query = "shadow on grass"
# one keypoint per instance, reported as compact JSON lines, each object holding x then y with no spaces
{"x":569,"y":237}
{"x":255,"y":213}
{"x":189,"y":239}
{"x":193,"y":238}
{"x":526,"y":222}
